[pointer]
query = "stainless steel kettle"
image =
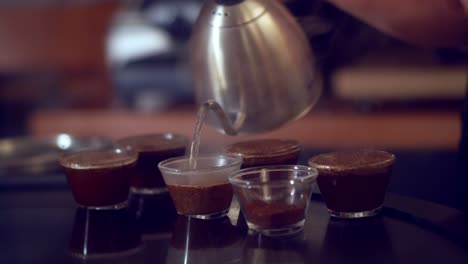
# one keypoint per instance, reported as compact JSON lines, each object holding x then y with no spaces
{"x":252,"y":65}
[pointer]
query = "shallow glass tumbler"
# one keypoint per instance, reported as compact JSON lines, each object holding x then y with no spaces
{"x":274,"y":199}
{"x":100,"y":179}
{"x":202,"y":192}
{"x":353,"y":183}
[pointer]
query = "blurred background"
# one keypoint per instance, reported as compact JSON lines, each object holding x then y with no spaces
{"x":117,"y":68}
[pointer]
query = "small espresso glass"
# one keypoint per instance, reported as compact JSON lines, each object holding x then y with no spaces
{"x":353,"y":183}
{"x":263,"y":152}
{"x":274,"y":199}
{"x":152,"y":149}
{"x":99,"y":179}
{"x":202,"y":192}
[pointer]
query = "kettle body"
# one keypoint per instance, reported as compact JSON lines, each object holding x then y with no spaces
{"x":254,"y":60}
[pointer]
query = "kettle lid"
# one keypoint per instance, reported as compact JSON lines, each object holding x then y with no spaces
{"x":231,"y":13}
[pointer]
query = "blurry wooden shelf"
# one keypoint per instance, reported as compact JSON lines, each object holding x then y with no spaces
{"x":377,"y":82}
{"x":317,"y":130}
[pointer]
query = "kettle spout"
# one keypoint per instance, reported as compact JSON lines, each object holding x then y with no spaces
{"x":226,"y":125}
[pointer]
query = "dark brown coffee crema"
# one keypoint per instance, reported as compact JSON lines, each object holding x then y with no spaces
{"x":353,"y":181}
{"x":201,"y":200}
{"x":359,"y":160}
{"x":266,"y":152}
{"x":98,"y":179}
{"x":153,"y":149}
{"x":275,"y":214}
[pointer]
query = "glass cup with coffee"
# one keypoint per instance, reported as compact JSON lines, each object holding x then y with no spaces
{"x":353,"y":183}
{"x":203,"y":191}
{"x":152,"y":149}
{"x":99,"y":179}
{"x":274,"y":199}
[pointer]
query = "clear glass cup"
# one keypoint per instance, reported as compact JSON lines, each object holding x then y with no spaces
{"x":353,"y":183}
{"x":274,"y":199}
{"x":100,"y":179}
{"x":152,"y":149}
{"x":203,"y":192}
{"x":263,"y":152}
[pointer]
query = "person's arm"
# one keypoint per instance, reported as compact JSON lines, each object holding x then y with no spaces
{"x":431,"y":23}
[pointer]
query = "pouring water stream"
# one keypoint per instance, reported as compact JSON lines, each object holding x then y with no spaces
{"x":201,"y":116}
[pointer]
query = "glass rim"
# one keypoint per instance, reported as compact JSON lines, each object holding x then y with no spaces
{"x":311,"y":175}
{"x":128,"y":157}
{"x":236,"y":161}
{"x":295,"y":147}
{"x":288,"y":151}
{"x":378,"y":164}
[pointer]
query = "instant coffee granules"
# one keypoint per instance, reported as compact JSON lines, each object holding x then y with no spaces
{"x":273,"y":214}
{"x":194,"y":200}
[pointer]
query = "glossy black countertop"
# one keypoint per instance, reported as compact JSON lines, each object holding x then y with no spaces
{"x":45,"y":226}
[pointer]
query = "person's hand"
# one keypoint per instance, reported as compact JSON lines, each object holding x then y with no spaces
{"x":434,"y":23}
